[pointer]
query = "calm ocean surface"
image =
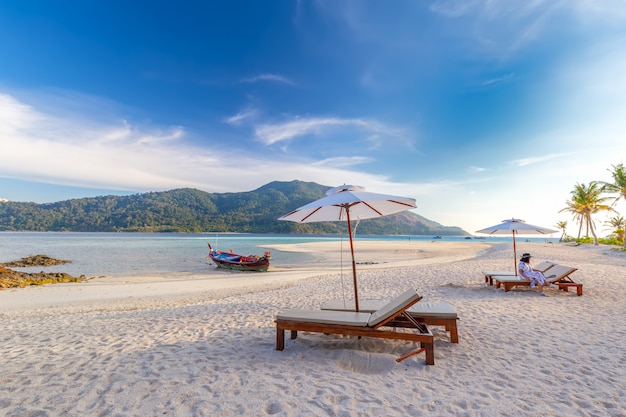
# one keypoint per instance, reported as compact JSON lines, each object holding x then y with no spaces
{"x":96,"y":254}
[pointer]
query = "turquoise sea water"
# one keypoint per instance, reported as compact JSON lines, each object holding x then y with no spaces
{"x":96,"y":254}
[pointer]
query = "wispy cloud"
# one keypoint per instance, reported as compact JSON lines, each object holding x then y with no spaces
{"x":454,"y":8}
{"x":503,"y":26}
{"x":497,"y":80}
{"x":537,"y":159}
{"x":279,"y":132}
{"x":240,"y":117}
{"x":342,"y":162}
{"x":268,"y":77}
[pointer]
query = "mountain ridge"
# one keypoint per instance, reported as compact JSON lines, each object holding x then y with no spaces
{"x":194,"y":211}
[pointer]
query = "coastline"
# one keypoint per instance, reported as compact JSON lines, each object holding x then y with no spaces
{"x":199,"y":351}
{"x":133,"y":290}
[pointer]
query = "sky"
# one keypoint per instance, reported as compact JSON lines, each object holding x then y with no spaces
{"x":481,"y":110}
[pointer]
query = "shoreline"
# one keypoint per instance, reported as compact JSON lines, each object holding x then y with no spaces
{"x":185,"y":287}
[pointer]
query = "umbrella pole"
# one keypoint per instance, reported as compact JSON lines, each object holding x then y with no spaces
{"x":356,"y":296}
{"x":514,"y":255}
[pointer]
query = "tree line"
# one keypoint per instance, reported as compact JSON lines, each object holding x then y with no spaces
{"x":194,"y":211}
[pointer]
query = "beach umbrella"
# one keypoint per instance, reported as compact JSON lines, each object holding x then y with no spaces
{"x":347,"y":203}
{"x":515,"y":227}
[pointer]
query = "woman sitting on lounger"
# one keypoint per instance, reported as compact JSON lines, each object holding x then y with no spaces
{"x":526,"y":272}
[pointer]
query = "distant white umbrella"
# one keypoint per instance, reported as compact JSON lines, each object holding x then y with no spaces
{"x":515,"y":227}
{"x":346,"y":203}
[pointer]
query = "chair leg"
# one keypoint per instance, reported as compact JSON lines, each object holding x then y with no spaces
{"x":280,"y":338}
{"x":408,"y":355}
{"x":454,"y":332}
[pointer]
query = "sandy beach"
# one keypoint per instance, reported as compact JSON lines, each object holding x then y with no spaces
{"x":204,"y":344}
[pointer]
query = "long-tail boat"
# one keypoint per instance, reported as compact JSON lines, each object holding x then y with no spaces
{"x":230,"y":260}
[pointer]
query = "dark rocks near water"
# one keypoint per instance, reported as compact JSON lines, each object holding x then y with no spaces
{"x":10,"y":278}
{"x":35,"y":260}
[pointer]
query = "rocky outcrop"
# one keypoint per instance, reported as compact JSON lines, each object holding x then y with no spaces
{"x":35,"y":260}
{"x":10,"y":278}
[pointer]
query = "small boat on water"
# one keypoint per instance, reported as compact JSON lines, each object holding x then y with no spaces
{"x":230,"y":260}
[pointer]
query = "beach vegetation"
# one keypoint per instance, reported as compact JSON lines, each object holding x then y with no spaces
{"x":610,"y":240}
{"x":562,"y":226}
{"x":585,"y":201}
{"x":189,"y":210}
{"x":617,"y":189}
{"x":616,"y":224}
{"x":588,"y":240}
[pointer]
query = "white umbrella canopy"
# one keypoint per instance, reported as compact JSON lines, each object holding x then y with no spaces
{"x":515,"y":227}
{"x":346,"y":203}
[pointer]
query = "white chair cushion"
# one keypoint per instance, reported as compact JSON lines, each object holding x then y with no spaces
{"x":348,"y":318}
{"x":405,"y":299}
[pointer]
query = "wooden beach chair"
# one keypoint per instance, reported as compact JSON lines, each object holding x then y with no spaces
{"x":558,"y":275}
{"x":361,"y":324}
{"x":542,"y":267}
{"x":432,"y":314}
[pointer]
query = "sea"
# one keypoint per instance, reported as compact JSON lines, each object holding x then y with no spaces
{"x":111,"y":254}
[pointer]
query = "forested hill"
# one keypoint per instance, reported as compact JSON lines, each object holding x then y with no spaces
{"x":191,"y":210}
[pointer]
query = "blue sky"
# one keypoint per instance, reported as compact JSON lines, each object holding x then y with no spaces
{"x":480,"y":110}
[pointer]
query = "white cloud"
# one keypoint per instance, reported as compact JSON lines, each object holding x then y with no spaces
{"x":504,"y":27}
{"x":497,"y":80}
{"x":76,"y":150}
{"x":279,"y":132}
{"x":268,"y":77}
{"x":342,"y":162}
{"x":536,"y":159}
{"x":240,"y":117}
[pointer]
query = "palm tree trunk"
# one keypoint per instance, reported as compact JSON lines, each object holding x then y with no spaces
{"x":590,"y":228}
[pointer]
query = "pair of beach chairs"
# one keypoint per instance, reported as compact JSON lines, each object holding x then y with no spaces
{"x":555,"y":274}
{"x":377,"y":319}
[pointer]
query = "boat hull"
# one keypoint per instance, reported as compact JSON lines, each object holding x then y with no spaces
{"x":258,"y":265}
{"x":232,"y":261}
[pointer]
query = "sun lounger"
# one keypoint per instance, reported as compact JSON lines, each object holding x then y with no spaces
{"x":361,"y":324}
{"x":433,"y":314}
{"x":558,"y":275}
{"x":542,"y":267}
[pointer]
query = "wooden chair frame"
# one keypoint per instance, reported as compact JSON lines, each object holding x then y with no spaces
{"x":398,"y":319}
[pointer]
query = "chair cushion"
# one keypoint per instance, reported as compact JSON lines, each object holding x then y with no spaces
{"x":542,"y":267}
{"x":365,"y":306}
{"x":557,"y":272}
{"x":440,"y":310}
{"x":405,"y":299}
{"x":493,"y":272}
{"x":421,"y":309}
{"x":347,"y":318}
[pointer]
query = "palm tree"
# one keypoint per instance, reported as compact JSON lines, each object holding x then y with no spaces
{"x":585,"y":201}
{"x":562,"y":226}
{"x":617,"y":225}
{"x":577,"y":212}
{"x":618,"y":186}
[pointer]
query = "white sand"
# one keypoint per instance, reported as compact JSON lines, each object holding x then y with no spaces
{"x":204,"y":345}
